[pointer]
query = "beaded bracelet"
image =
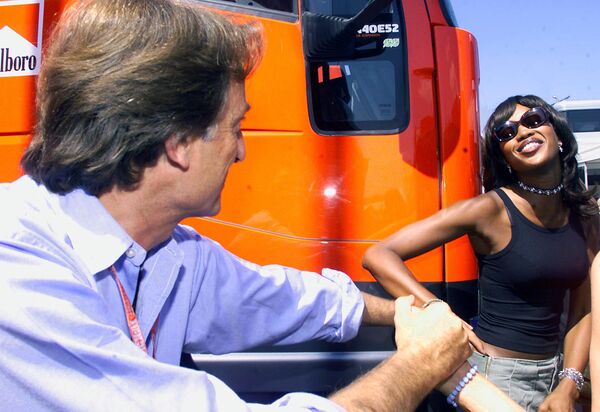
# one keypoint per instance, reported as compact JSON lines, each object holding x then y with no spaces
{"x":573,"y":374}
{"x":451,"y":399}
{"x":431,"y":301}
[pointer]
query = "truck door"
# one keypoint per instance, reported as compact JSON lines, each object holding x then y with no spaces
{"x":347,"y":142}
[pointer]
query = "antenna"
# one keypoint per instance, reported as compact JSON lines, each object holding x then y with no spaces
{"x":557,"y":100}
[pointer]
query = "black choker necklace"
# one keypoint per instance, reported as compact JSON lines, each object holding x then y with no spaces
{"x":537,"y":190}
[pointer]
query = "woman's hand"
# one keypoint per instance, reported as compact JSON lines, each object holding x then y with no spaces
{"x":475,"y":342}
{"x":561,"y":399}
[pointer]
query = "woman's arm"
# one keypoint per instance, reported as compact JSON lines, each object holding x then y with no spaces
{"x":576,"y":349}
{"x":430,"y":345}
{"x":579,"y":330}
{"x":595,"y":345}
{"x":385,"y":260}
{"x":479,"y":394}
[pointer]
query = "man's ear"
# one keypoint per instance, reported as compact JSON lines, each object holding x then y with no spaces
{"x":177,"y":151}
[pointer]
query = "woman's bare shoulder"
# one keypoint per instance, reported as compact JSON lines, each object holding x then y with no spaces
{"x":484,"y":206}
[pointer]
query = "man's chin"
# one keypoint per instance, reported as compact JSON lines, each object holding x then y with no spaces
{"x":205,"y":211}
{"x":214,"y":210}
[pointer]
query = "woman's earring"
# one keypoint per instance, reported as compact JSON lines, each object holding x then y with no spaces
{"x":509,"y":169}
{"x":560,"y":149}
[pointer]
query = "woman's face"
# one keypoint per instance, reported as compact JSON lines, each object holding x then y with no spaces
{"x":531,"y":149}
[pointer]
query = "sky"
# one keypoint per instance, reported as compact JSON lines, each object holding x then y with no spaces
{"x":550,"y":48}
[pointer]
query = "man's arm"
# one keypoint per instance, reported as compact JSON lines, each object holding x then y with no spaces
{"x":431,"y":345}
{"x":377,"y":311}
{"x":297,"y":305}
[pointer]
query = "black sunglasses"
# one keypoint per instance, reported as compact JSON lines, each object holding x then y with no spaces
{"x":531,"y":119}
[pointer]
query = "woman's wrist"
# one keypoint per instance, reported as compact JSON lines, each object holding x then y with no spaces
{"x":450,"y":383}
{"x":462,"y":383}
{"x":573,"y":375}
{"x":568,"y":387}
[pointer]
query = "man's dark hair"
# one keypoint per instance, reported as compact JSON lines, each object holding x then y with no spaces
{"x":497,"y":174}
{"x":122,"y":76}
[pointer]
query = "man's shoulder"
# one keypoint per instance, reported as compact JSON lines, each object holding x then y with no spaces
{"x":32,"y":225}
{"x":24,"y":203}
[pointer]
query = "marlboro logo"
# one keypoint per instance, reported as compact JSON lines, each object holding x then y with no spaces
{"x":20,"y":37}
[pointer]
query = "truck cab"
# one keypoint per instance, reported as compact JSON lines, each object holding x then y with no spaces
{"x":583,"y":117}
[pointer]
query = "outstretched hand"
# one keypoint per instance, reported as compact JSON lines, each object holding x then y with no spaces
{"x":433,"y":333}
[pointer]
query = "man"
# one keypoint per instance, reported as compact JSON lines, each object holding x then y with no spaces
{"x":139,"y":111}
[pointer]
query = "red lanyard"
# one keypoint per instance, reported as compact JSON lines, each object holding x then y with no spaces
{"x":134,"y":326}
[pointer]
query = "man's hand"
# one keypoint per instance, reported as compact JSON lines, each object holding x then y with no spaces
{"x":431,"y":345}
{"x":434,"y":335}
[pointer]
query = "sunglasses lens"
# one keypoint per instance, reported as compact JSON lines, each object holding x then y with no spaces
{"x":505,"y":131}
{"x":531,"y":119}
{"x":534,"y":118}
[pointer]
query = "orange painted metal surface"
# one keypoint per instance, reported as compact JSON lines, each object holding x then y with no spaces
{"x":17,"y":93}
{"x":313,"y":201}
{"x":458,"y":80}
{"x":12,"y":148}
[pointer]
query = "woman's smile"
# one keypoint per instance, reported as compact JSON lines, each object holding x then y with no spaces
{"x":530,"y":145}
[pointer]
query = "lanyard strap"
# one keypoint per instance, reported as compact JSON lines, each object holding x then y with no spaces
{"x":132,"y":322}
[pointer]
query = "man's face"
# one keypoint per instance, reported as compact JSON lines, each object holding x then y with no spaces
{"x":211,"y":156}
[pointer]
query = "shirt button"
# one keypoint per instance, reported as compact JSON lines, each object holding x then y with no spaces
{"x":130,"y":253}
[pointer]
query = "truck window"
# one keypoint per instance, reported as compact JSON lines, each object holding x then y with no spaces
{"x":367,"y":93}
{"x":585,"y":120}
{"x":288,"y":6}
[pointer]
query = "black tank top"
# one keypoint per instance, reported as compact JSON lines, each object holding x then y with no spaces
{"x":522,"y":287}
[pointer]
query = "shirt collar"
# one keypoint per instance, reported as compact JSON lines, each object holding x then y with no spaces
{"x":96,"y":237}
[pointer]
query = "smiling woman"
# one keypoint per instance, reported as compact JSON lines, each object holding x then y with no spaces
{"x":534,"y":234}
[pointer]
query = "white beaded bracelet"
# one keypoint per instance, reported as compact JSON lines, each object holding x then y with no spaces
{"x":574,"y":375}
{"x":451,"y":399}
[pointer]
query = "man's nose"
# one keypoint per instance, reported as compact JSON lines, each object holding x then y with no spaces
{"x":241,"y":150}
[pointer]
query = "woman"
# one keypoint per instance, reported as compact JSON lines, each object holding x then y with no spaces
{"x":534,"y":239}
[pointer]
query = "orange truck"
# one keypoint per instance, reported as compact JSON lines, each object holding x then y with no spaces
{"x":364,"y":119}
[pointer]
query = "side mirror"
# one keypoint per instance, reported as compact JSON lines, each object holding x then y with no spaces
{"x":330,"y":37}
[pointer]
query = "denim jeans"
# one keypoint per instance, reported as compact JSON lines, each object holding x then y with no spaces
{"x":525,"y":381}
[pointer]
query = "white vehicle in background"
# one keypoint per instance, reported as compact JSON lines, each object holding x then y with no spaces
{"x":583,"y":117}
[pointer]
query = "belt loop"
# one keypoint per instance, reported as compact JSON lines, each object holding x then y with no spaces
{"x":557,"y":367}
{"x":488,"y":364}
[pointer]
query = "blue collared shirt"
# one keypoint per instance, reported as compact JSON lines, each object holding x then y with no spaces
{"x":64,"y":338}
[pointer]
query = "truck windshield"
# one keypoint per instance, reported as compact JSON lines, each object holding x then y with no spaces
{"x":585,"y":120}
{"x":367,"y":93}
